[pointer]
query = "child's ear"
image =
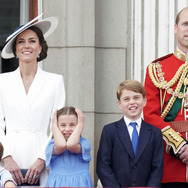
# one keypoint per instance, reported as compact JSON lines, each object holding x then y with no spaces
{"x":119,"y":104}
{"x":145,"y":101}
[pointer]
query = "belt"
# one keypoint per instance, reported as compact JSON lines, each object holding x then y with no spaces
{"x":179,"y":126}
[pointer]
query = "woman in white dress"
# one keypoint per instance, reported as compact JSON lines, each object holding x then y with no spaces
{"x":28,"y":98}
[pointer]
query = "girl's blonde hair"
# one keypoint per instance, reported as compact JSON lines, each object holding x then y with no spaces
{"x":67,"y":110}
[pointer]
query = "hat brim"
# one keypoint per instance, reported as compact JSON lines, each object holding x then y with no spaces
{"x":47,"y":26}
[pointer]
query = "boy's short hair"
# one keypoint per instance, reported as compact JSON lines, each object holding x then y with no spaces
{"x":1,"y":150}
{"x":132,"y":85}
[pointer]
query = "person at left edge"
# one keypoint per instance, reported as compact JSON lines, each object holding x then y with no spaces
{"x":28,"y":98}
{"x":6,"y":179}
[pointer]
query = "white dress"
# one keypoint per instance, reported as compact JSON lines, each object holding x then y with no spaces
{"x":27,"y":117}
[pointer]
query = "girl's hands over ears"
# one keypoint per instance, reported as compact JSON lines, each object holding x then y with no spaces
{"x":80,"y":118}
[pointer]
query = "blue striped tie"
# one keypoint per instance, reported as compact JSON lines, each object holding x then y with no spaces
{"x":134,"y":136}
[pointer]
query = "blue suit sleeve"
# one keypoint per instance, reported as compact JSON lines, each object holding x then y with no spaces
{"x":156,"y":173}
{"x":104,"y":160}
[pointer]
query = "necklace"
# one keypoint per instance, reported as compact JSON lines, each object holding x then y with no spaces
{"x":27,"y":84}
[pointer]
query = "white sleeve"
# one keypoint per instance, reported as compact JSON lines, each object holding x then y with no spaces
{"x":59,"y":102}
{"x":5,"y":176}
{"x":3,"y":138}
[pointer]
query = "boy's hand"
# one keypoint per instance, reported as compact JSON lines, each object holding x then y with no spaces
{"x":9,"y":183}
{"x":80,"y":118}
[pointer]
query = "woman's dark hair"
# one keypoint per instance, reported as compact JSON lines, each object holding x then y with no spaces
{"x":42,"y":42}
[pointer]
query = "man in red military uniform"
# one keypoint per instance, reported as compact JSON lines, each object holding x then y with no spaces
{"x":166,"y":85}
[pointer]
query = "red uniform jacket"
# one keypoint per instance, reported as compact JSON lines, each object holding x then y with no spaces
{"x":174,"y":169}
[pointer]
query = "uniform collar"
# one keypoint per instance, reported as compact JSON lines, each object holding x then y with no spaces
{"x":181,"y":55}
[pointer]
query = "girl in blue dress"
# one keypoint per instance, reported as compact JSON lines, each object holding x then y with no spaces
{"x":68,"y":154}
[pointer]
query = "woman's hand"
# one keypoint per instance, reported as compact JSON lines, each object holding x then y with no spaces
{"x":11,"y":165}
{"x":34,"y":171}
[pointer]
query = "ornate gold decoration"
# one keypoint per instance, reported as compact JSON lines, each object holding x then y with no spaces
{"x":162,"y":84}
{"x":173,"y":139}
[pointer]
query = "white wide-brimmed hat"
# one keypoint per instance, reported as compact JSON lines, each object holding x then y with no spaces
{"x":47,"y":26}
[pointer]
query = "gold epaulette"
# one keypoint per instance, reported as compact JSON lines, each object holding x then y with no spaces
{"x":173,"y":139}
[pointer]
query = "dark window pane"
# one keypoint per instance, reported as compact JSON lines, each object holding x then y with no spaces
{"x":9,"y":21}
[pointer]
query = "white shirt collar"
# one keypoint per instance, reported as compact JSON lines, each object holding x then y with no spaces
{"x":138,"y":121}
